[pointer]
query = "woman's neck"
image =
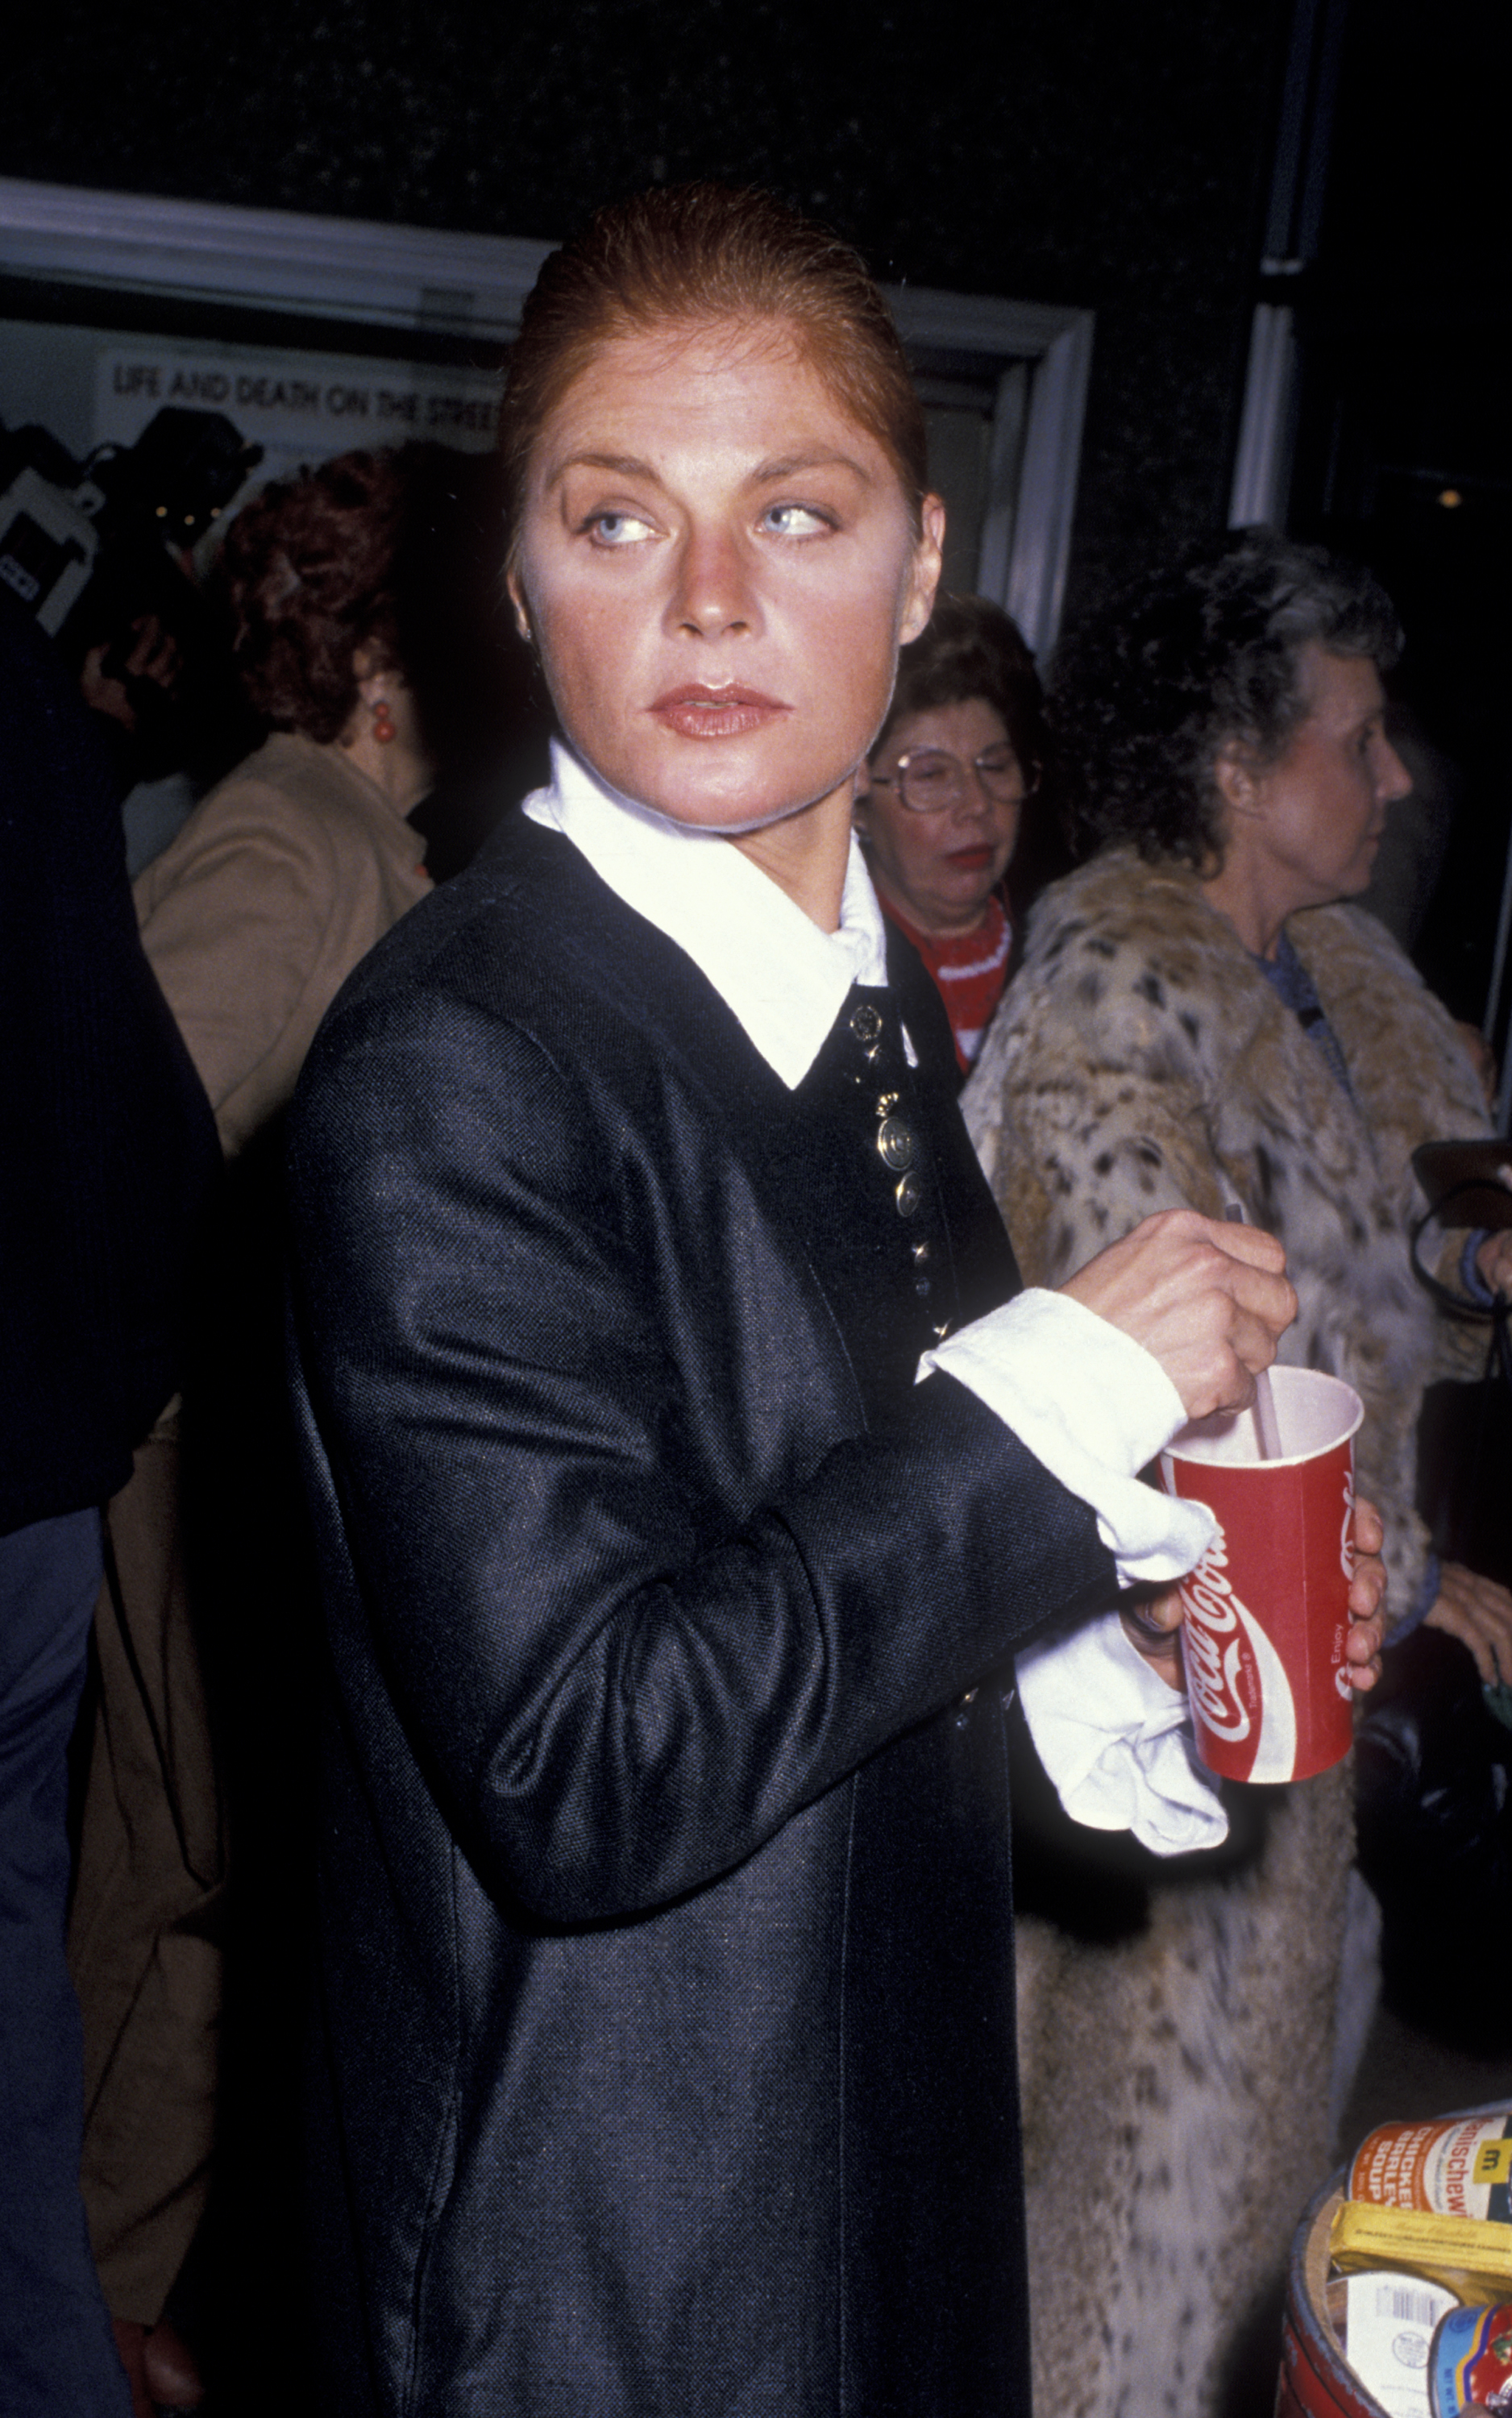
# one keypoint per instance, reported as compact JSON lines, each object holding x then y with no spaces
{"x":806,"y":855}
{"x":1250,"y":902}
{"x":401,"y":773}
{"x":932,"y":924}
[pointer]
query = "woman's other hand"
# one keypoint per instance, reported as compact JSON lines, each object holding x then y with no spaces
{"x":1479,"y":1613}
{"x":1367,"y":1593}
{"x":1152,"y":1623}
{"x":1208,"y":1301}
{"x":1495,"y":1262}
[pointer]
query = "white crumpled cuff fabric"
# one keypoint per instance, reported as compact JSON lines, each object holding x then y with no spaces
{"x":1094,"y":1407}
{"x":1113,"y":1738}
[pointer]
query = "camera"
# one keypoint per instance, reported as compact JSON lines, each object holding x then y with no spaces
{"x":123,"y":517}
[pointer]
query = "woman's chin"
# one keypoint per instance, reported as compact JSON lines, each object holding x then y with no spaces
{"x":731,"y":785}
{"x":958,"y":904}
{"x":941,"y":918}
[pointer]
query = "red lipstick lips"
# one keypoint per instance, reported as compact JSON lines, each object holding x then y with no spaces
{"x":698,"y":711}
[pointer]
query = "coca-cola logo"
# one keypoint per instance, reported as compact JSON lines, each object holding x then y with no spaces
{"x":1213,"y":1645}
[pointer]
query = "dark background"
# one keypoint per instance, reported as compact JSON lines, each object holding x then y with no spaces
{"x":1071,"y":151}
{"x":1088,"y":152}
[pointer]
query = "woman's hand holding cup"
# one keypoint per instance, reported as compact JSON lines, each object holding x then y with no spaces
{"x":1152,"y":1623}
{"x":1209,"y":1301}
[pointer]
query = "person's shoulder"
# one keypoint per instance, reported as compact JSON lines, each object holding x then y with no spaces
{"x":499,"y":1012}
{"x":1121,"y":929}
{"x":1344,"y":938}
{"x":267,"y":804}
{"x":1121,"y":901}
{"x":526,"y":937}
{"x":1406,"y":1056}
{"x":283,"y":766}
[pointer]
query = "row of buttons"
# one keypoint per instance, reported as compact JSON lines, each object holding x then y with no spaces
{"x":895,"y":1137}
{"x":896,"y":1142}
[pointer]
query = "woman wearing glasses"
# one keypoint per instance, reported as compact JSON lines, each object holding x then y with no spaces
{"x":962,"y":748}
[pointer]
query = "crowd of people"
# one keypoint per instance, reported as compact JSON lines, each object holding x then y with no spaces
{"x":557,"y":1493}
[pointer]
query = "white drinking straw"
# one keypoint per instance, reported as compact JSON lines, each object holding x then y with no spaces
{"x":1266,"y":1427}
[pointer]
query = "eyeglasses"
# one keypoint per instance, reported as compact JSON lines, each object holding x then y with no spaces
{"x":929,"y":779}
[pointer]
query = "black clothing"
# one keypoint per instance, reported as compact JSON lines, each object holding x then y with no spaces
{"x":666,"y":2025}
{"x":107,"y":1146}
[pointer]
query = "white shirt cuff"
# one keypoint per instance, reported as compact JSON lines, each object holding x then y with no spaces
{"x":1094,"y":1407}
{"x":1111,"y":1736}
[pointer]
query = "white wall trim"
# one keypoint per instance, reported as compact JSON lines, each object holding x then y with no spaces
{"x":1262,"y":463}
{"x":1026,"y":538}
{"x":1047,"y":484}
{"x":419,"y":277}
{"x":385,"y":276}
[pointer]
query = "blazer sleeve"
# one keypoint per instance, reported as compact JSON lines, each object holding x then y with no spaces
{"x":619,"y":1685}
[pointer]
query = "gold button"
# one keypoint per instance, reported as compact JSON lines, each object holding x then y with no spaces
{"x":909,"y":1195}
{"x":943,"y":1330}
{"x":921,"y":1252}
{"x":894,"y":1139}
{"x":865,"y":1022}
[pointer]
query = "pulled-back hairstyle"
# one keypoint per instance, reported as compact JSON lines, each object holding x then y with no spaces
{"x":308,"y":566}
{"x":1145,"y":697}
{"x":970,"y":647}
{"x":692,"y":253}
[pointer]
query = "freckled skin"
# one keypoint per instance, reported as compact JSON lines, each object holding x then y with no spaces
{"x":701,"y":510}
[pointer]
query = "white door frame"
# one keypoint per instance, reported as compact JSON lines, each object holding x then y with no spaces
{"x":421,"y":278}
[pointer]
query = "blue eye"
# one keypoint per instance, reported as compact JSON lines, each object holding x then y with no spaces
{"x":796,"y":520}
{"x":616,"y":529}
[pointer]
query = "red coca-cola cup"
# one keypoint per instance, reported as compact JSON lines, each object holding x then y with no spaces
{"x":1267,"y":1609}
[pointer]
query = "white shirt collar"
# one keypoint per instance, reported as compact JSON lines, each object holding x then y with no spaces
{"x":783,"y":979}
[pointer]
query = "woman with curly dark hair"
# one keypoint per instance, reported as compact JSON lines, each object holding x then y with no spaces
{"x":942,"y":796}
{"x":288,"y":871}
{"x":1203,"y":1019}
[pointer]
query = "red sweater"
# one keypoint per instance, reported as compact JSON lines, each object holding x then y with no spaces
{"x":969,"y":970}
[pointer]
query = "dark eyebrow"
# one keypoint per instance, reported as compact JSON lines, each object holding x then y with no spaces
{"x":790,"y":465}
{"x":627,"y":466}
{"x":781,"y":465}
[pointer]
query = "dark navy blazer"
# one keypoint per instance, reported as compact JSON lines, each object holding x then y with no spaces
{"x":666,"y":2023}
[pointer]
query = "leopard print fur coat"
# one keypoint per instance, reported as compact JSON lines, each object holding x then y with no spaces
{"x":1177,"y":2083}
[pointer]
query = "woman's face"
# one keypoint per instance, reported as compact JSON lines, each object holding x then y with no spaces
{"x":1312,"y":821}
{"x":941,"y":868}
{"x":718,"y":566}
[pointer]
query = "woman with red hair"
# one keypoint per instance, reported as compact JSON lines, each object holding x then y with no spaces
{"x":288,"y":871}
{"x":665,"y":2036}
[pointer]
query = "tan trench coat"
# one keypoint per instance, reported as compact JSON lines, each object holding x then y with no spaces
{"x":281,"y":879}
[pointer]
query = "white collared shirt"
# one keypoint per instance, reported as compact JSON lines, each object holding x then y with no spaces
{"x":783,"y":979}
{"x":1089,"y":1403}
